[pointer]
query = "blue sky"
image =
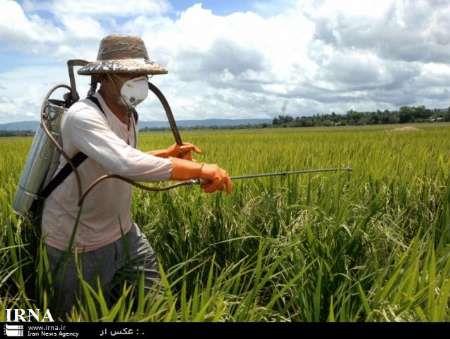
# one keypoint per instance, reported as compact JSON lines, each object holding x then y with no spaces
{"x":238,"y":59}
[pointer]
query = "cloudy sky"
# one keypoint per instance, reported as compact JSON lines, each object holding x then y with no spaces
{"x":238,"y":59}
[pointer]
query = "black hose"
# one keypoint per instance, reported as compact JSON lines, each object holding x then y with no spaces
{"x":169,"y":114}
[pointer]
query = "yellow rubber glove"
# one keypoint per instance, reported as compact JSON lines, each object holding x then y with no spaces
{"x":214,"y":178}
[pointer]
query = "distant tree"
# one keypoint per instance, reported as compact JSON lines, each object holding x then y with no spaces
{"x":354,"y":117}
{"x":421,"y":113}
{"x":405,"y":115}
{"x":447,"y":115}
{"x":283,"y":119}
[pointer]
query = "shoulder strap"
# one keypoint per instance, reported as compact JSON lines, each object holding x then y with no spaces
{"x":76,"y":161}
{"x":97,"y":103}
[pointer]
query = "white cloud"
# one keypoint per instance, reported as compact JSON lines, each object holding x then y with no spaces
{"x":80,"y":27}
{"x":312,"y":56}
{"x":18,"y":30}
{"x":25,"y":87}
{"x":409,"y":30}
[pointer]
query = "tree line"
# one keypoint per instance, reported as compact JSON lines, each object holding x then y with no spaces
{"x":406,"y":114}
{"x":16,"y":133}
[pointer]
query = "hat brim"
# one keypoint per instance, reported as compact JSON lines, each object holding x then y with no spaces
{"x":122,"y":66}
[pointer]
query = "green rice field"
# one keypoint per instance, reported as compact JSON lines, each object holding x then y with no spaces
{"x":370,"y":245}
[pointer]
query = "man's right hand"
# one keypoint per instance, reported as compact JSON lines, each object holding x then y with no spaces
{"x":212,"y":176}
{"x":215,"y":179}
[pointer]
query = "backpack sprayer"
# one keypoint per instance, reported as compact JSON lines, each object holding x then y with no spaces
{"x":44,"y":155}
{"x":46,"y":150}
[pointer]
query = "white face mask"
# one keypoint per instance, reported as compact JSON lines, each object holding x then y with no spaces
{"x":134,"y":91}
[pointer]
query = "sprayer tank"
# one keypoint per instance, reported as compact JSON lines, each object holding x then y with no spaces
{"x":42,"y":160}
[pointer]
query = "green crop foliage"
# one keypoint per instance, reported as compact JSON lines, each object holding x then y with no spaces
{"x":371,"y":245}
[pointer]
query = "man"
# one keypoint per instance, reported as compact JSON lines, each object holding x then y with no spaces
{"x":106,"y":242}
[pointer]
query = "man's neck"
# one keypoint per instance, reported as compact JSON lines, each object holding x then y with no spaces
{"x":119,"y":110}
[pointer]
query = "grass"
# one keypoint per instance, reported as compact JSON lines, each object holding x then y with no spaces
{"x":373,"y":245}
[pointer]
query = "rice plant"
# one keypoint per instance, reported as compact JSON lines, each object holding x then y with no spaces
{"x":373,"y":245}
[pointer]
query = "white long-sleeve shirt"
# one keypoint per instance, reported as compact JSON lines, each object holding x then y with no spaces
{"x":108,"y":143}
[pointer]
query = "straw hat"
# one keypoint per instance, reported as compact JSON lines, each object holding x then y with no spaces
{"x":122,"y":54}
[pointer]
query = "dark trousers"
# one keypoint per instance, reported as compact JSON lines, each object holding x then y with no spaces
{"x":111,"y":265}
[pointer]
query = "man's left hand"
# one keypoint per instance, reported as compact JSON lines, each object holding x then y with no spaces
{"x":182,"y":151}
